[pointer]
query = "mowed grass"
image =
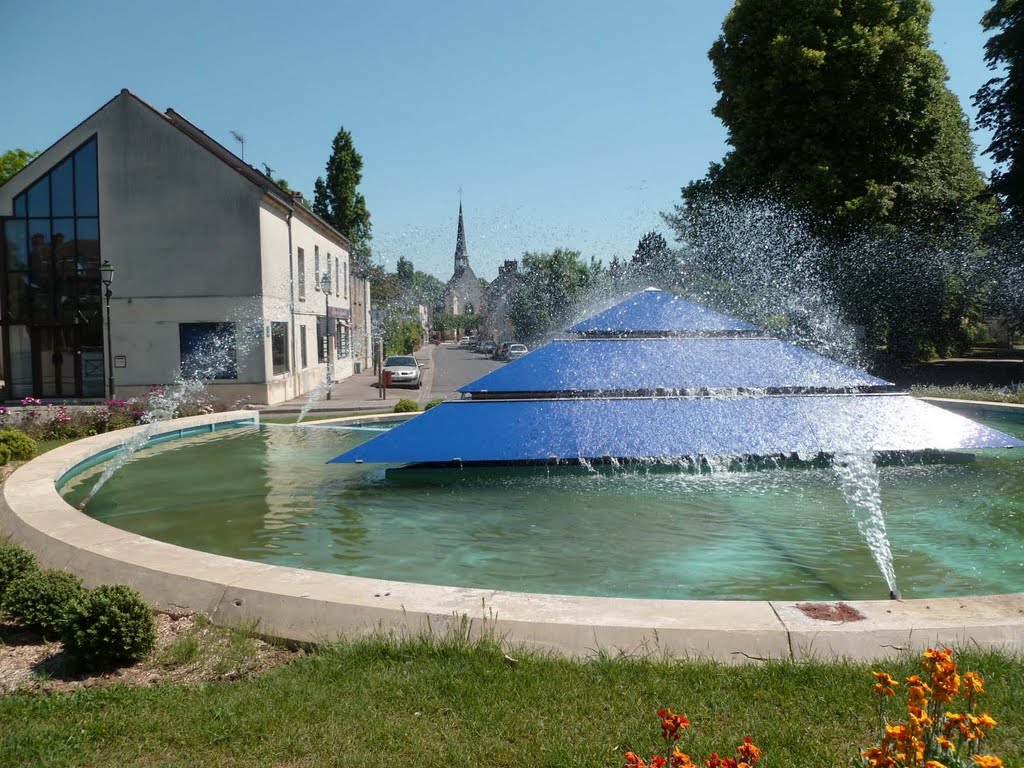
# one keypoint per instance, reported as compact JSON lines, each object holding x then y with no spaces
{"x":428,"y":703}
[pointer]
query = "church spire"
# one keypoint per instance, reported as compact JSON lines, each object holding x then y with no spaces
{"x":461,"y":255}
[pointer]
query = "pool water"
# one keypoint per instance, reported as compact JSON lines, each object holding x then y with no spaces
{"x":265,"y":494}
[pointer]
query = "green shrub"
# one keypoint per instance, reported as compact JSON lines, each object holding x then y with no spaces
{"x":21,"y":446}
{"x":43,"y":600}
{"x":14,"y":561}
{"x":405,"y":405}
{"x":436,"y":401}
{"x":5,"y":454}
{"x":111,"y":625}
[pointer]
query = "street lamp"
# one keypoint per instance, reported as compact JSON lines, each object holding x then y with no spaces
{"x":107,"y":277}
{"x":325,"y":286}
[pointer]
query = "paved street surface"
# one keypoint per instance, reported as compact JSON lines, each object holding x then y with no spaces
{"x":454,"y":367}
{"x":445,"y":369}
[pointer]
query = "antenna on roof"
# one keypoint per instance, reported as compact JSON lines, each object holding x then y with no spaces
{"x":268,"y":170}
{"x":241,"y":140}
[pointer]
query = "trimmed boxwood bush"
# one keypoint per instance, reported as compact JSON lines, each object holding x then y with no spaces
{"x":14,"y":561}
{"x":405,"y":405}
{"x":43,"y":600}
{"x":431,"y":404}
{"x":21,"y":446}
{"x":111,"y":625}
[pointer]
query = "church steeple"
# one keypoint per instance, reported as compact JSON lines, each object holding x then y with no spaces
{"x":461,"y":255}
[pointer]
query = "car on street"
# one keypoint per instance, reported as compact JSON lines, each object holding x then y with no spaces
{"x":404,"y":370}
{"x":515,"y":351}
{"x":500,"y":350}
{"x":487,"y":347}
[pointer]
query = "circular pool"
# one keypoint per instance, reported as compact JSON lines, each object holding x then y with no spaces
{"x":264,"y":494}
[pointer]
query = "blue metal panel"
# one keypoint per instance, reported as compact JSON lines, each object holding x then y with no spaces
{"x":634,"y":365}
{"x":656,"y":311}
{"x":667,"y":428}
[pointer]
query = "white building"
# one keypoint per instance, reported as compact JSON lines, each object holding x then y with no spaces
{"x":218,"y":272}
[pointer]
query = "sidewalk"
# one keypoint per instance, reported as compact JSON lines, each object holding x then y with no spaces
{"x":360,"y":393}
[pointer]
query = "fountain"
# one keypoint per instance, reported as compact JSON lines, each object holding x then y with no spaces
{"x":601,"y":465}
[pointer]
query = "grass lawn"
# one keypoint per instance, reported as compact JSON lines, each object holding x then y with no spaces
{"x":967,"y":392}
{"x":415,"y":702}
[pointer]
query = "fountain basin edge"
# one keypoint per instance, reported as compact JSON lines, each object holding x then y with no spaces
{"x":314,"y":607}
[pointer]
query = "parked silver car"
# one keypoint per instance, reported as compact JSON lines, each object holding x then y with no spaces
{"x":515,"y":351}
{"x":404,"y":370}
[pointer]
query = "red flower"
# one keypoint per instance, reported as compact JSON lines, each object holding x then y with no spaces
{"x":672,"y":725}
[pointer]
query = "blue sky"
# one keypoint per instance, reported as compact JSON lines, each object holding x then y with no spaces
{"x":567,"y":123}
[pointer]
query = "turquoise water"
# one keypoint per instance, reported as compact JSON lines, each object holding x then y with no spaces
{"x":265,"y":494}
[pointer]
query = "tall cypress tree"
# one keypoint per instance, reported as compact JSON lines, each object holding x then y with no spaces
{"x":338,"y":202}
{"x":1000,"y":101}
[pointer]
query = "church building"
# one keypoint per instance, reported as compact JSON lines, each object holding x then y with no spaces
{"x":463,"y":295}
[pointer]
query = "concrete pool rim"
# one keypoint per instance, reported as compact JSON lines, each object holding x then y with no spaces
{"x":310,"y":606}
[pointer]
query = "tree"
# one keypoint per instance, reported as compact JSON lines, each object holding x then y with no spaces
{"x":12,"y":161}
{"x":1000,"y":102}
{"x":841,"y":107}
{"x":428,"y":290}
{"x":551,"y":289}
{"x":653,"y":261}
{"x":406,"y":273}
{"x":337,"y":201}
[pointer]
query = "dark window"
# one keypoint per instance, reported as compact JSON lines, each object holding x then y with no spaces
{"x":302,"y":344}
{"x":17,"y":244}
{"x":19,"y":206}
{"x":321,"y":339}
{"x":86,"y":186}
{"x":39,"y":198}
{"x":279,"y":347}
{"x":316,"y":267}
{"x":302,"y":278}
{"x":208,"y":351}
{"x":63,"y":189}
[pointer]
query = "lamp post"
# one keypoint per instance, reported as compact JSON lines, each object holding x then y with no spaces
{"x":107,"y":276}
{"x":325,"y":286}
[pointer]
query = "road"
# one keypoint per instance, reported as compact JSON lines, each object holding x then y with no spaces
{"x":454,"y":366}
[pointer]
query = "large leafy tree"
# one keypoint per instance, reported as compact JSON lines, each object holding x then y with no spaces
{"x":1000,"y":101}
{"x":337,"y":200}
{"x":551,"y":288}
{"x":841,"y":107}
{"x":12,"y":161}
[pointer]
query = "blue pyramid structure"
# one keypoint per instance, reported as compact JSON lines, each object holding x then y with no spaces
{"x":658,"y":378}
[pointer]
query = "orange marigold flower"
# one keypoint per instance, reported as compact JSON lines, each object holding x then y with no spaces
{"x":748,"y":751}
{"x":985,"y":720}
{"x":934,"y":764}
{"x":672,"y":725}
{"x":633,"y":760}
{"x":945,"y":743}
{"x":987,"y":761}
{"x":657,"y":761}
{"x":879,"y":758}
{"x":680,"y":759}
{"x":974,"y":683}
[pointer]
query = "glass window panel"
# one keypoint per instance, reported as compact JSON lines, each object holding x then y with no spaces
{"x":41,"y":299}
{"x":20,"y":377}
{"x":279,"y":347}
{"x":16,"y":242}
{"x":39,"y":198}
{"x":39,"y":262}
{"x":17,"y":297}
{"x":88,"y":246}
{"x":62,"y":189}
{"x":19,"y":205}
{"x":86,"y":203}
{"x":63,"y":245}
{"x":208,"y":350}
